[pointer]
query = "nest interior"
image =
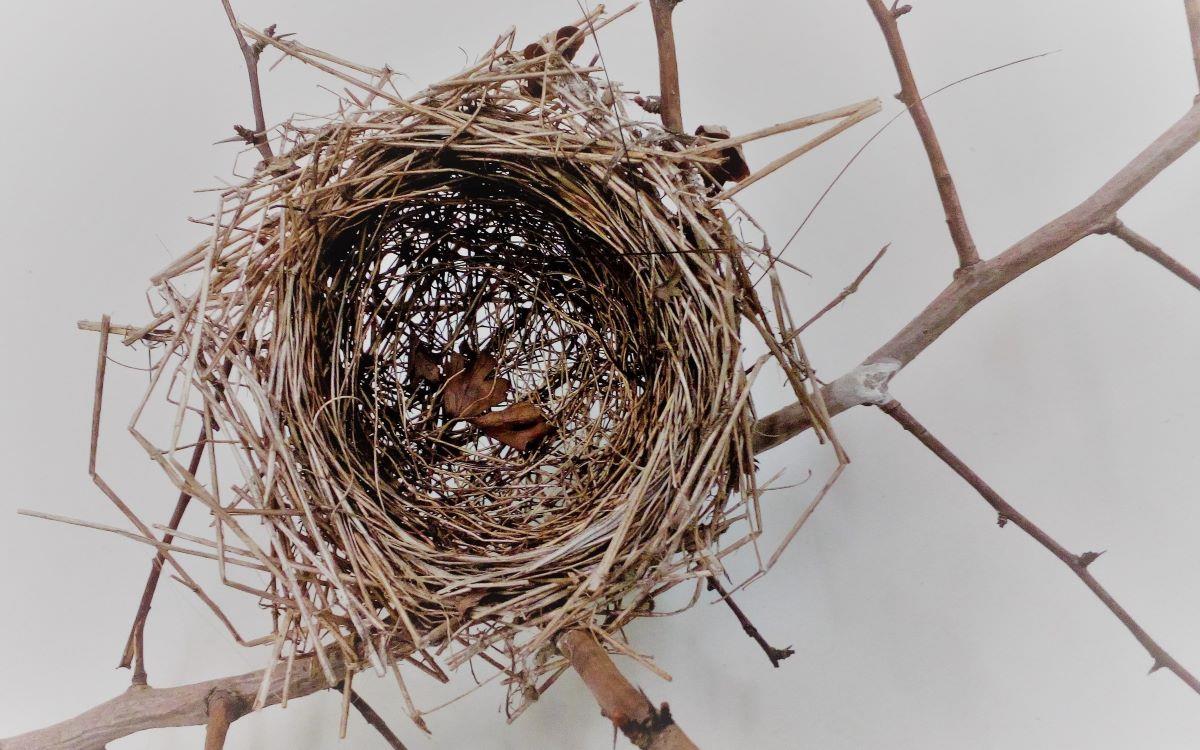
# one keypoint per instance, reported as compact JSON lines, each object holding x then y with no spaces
{"x":476,"y":355}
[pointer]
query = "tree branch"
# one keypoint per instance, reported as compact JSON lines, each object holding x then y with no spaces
{"x":668,"y":64}
{"x":1155,"y":253}
{"x":627,"y":707}
{"x":775,"y":655}
{"x":141,"y":708}
{"x":960,"y":233}
{"x":134,"y":653}
{"x":977,"y":283}
{"x":224,"y":708}
{"x":250,"y":54}
{"x":1077,"y":563}
{"x":374,"y":719}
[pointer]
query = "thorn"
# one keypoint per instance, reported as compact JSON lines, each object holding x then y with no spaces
{"x":899,"y":10}
{"x":1157,"y":665}
{"x":1001,"y":520}
{"x":1087,"y":558}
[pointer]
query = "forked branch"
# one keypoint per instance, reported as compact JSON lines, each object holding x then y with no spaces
{"x":141,"y":708}
{"x":1077,"y":563}
{"x":250,"y":54}
{"x":979,"y":282}
{"x":910,"y":96}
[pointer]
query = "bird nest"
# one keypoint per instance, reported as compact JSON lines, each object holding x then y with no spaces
{"x":476,"y":356}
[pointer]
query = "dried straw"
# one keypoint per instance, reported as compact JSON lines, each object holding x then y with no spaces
{"x":476,"y":357}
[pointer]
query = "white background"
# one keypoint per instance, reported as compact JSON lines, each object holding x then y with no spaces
{"x":917,"y":623}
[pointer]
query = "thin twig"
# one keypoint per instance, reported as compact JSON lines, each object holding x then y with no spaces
{"x":776,"y":655}
{"x":135,"y":644}
{"x":960,"y":233}
{"x":1077,"y":563}
{"x":668,"y":65}
{"x":251,"y":54}
{"x":1192,"y":7}
{"x":373,"y":718}
{"x":851,"y":289}
{"x":620,"y":702}
{"x":1153,"y":252}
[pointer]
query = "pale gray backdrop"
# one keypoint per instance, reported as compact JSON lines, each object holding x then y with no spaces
{"x":917,"y":623}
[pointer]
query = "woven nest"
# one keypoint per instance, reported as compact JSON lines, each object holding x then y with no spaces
{"x":478,"y":356}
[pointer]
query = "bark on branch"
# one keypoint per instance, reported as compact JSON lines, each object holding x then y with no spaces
{"x":141,"y":708}
{"x":624,"y":705}
{"x":668,"y":64}
{"x":979,"y":282}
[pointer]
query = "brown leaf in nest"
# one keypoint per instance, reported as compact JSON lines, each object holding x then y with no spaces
{"x":517,"y":426}
{"x":470,"y":388}
{"x":733,"y":166}
{"x":562,"y":40}
{"x":424,"y":364}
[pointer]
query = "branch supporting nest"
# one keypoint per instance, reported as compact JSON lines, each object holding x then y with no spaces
{"x":628,"y":708}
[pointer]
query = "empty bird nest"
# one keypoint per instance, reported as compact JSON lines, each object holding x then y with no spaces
{"x":474,"y":360}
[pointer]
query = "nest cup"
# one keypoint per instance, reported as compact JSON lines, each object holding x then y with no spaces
{"x":478,"y":355}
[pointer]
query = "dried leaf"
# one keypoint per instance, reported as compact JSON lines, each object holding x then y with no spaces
{"x":733,"y":166}
{"x":424,"y":364}
{"x":470,"y":389}
{"x":517,"y":426}
{"x":563,"y":36}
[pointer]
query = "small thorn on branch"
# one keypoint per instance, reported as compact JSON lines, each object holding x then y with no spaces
{"x":1087,"y":558}
{"x":899,"y":10}
{"x":1076,"y":563}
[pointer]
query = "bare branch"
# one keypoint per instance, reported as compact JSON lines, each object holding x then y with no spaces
{"x":960,"y":233}
{"x":141,"y":708}
{"x":627,"y":707}
{"x":374,"y":719}
{"x":1077,"y":563}
{"x":776,"y":655}
{"x":668,"y":65}
{"x":224,"y":708}
{"x":250,"y":54}
{"x":1192,"y":7}
{"x":134,"y":653}
{"x":1153,"y":252}
{"x":978,"y":283}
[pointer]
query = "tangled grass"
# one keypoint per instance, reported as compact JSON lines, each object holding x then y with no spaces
{"x":476,"y":356}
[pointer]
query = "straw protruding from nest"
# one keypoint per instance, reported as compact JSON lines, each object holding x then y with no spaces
{"x":478,"y":354}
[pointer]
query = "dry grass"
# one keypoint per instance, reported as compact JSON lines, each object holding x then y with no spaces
{"x":475,"y":356}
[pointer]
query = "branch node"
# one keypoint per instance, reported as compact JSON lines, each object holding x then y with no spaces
{"x":898,"y":11}
{"x":1001,"y":520}
{"x":1087,"y":558}
{"x":652,"y":104}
